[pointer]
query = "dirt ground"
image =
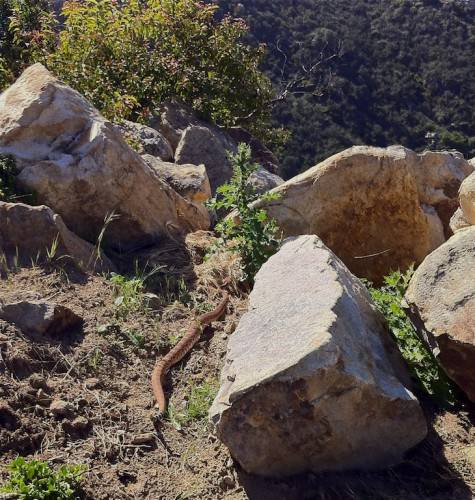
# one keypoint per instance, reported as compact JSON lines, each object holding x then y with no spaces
{"x":103,"y":372}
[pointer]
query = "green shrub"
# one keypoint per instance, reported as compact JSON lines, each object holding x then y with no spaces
{"x":251,"y":234}
{"x":26,"y":32}
{"x":35,"y":480}
{"x":421,"y":362}
{"x":128,"y":57}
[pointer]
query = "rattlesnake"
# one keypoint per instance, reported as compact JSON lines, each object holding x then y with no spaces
{"x":181,"y":350}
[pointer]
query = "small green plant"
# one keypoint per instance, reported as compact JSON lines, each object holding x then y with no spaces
{"x":95,"y":359}
{"x":199,"y":402}
{"x":98,"y":253}
{"x":422,"y":363}
{"x":248,"y":231}
{"x":35,"y":480}
{"x":53,"y":249}
{"x":129,"y":292}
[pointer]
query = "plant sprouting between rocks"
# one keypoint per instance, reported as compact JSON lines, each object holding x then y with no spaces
{"x":422,"y":364}
{"x":248,"y":231}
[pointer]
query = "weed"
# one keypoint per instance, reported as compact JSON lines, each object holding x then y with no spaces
{"x":95,"y":359}
{"x":132,"y":337}
{"x":35,"y":480}
{"x":422,"y":363}
{"x":174,"y":289}
{"x":196,"y":410}
{"x":108,"y":220}
{"x":251,"y":234}
{"x":53,"y":249}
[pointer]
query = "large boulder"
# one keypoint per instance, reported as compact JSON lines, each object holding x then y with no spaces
{"x":79,"y":164}
{"x":378,"y":209}
{"x":441,"y":300}
{"x":467,"y":199}
{"x":312,"y":380}
{"x":28,"y":234}
{"x":191,"y":181}
{"x":146,"y":140}
{"x":208,"y":146}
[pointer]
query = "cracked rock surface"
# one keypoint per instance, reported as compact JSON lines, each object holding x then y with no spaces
{"x":312,"y":380}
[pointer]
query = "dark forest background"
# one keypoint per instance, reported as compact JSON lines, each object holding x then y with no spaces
{"x":405,"y":73}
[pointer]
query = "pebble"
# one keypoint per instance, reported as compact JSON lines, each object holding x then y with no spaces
{"x":43,"y":399}
{"x":39,"y":382}
{"x":78,"y":426}
{"x":92,"y":383}
{"x":146,"y":438}
{"x":227,"y":483}
{"x":61,"y":408}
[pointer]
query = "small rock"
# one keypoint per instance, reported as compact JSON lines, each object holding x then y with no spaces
{"x":142,"y":439}
{"x":227,"y":483}
{"x":39,"y":382}
{"x":43,"y":399}
{"x":78,"y":427}
{"x":92,"y":383}
{"x":40,"y":317}
{"x":61,"y":408}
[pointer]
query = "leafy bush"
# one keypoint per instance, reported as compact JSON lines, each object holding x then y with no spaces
{"x":251,"y":234}
{"x":128,"y":57}
{"x":26,"y":32}
{"x":422,"y":363}
{"x":35,"y":480}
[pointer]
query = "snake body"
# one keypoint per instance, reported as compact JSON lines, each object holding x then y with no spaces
{"x":183,"y":347}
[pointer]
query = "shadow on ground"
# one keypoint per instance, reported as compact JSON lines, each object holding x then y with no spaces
{"x":425,"y":474}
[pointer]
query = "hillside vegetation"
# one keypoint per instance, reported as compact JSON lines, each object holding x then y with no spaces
{"x":404,"y":72}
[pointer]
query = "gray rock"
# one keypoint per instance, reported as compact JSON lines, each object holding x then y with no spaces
{"x":441,"y":300}
{"x":262,"y":180}
{"x":28,"y":233}
{"x":39,"y":317}
{"x":148,"y":140}
{"x":312,"y":380}
{"x":206,"y":145}
{"x":190,"y":181}
{"x":62,"y":409}
{"x":174,"y":118}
